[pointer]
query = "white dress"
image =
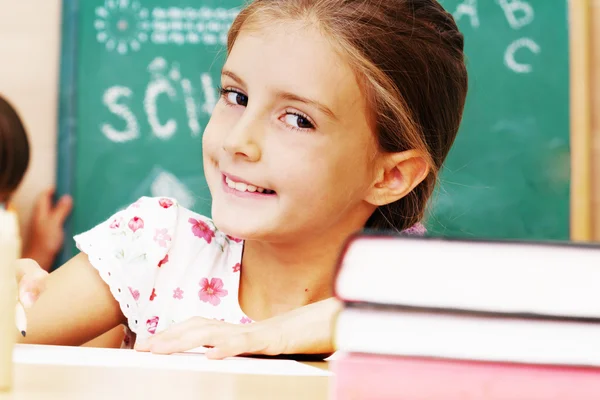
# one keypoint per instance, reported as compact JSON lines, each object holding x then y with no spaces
{"x":165,"y":264}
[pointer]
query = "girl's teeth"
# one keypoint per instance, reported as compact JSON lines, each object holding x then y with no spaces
{"x":242,"y":187}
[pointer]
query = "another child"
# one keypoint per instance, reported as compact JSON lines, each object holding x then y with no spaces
{"x":46,"y":235}
{"x":335,"y":115}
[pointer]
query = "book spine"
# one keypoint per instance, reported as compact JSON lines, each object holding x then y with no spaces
{"x":370,"y":306}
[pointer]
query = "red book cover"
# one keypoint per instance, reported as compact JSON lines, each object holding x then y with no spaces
{"x":372,"y":377}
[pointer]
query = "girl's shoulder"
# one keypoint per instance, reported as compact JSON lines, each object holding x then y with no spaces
{"x":165,"y":221}
{"x":149,"y":252}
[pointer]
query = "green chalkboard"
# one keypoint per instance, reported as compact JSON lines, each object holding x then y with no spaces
{"x":138,"y":84}
{"x":508,"y":174}
{"x":139,"y":80}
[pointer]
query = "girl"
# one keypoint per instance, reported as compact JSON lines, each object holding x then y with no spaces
{"x":46,"y":232}
{"x":335,"y":115}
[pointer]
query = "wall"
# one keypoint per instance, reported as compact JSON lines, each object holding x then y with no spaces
{"x":29,"y":54}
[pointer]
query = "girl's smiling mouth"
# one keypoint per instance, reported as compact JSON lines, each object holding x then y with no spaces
{"x":238,"y":186}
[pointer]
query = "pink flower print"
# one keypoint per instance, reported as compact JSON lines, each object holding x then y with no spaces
{"x":178,"y":294}
{"x":165,"y":203}
{"x":201,"y":229}
{"x":136,"y":223}
{"x":163,"y":261}
{"x":162,"y":237}
{"x":136,"y":204}
{"x":210,"y":292}
{"x":153,"y":294}
{"x":115,"y":224}
{"x":237,"y":267}
{"x":151,"y":325}
{"x":134,"y":293}
{"x":245,"y":320}
{"x":234,"y":239}
{"x":416,"y":230}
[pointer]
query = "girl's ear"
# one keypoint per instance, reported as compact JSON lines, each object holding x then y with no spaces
{"x":397,"y":175}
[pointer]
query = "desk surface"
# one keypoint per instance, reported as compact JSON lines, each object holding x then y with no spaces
{"x":49,"y":382}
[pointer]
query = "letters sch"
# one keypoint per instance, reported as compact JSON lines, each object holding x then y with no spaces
{"x":164,"y":81}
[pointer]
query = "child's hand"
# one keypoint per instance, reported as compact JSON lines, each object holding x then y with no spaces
{"x":305,"y":330}
{"x":32,"y":281}
{"x":46,"y":234}
{"x":222,"y":338}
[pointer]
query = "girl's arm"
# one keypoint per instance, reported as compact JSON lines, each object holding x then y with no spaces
{"x":307,"y":330}
{"x":75,"y":307}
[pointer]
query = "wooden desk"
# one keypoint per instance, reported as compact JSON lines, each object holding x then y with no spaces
{"x":47,"y":382}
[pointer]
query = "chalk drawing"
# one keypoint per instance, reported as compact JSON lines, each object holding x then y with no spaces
{"x":468,"y":8}
{"x":166,"y":80}
{"x":120,"y":25}
{"x":156,"y":88}
{"x":124,"y":25}
{"x":210,"y":93}
{"x":167,"y":185}
{"x":190,"y":107}
{"x":519,"y":13}
{"x":111,"y":100}
{"x":509,"y":55}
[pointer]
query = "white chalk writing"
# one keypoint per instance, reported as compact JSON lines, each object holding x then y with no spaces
{"x":509,"y":55}
{"x":518,"y":14}
{"x":468,"y":8}
{"x":167,"y":82}
{"x":155,"y":89}
{"x":124,"y":26}
{"x":111,"y":100}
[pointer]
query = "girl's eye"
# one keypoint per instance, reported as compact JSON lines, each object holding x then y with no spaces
{"x":298,"y":121}
{"x":234,"y":98}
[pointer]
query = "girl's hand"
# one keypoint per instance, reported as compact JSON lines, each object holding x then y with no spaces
{"x":222,"y":339}
{"x":306,"y":330}
{"x":31,"y":279}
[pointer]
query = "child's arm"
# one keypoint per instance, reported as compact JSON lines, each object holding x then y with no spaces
{"x":46,"y":234}
{"x":306,"y":330}
{"x":75,"y":307}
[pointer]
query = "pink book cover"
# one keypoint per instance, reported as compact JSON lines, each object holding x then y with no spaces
{"x":373,"y":377}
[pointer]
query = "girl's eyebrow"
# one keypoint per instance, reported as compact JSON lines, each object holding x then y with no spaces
{"x":321,"y":107}
{"x":286,"y":95}
{"x":232,"y":75}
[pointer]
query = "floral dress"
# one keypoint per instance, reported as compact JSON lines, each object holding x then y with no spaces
{"x":165,"y":264}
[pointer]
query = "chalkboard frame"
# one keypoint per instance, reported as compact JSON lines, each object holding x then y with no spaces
{"x":67,"y":117}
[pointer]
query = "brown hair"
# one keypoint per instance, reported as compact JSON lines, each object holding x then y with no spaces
{"x":14,"y":150}
{"x":409,"y":56}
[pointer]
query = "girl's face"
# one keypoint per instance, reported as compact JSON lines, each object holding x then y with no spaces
{"x":288,"y":151}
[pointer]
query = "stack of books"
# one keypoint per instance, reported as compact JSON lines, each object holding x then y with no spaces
{"x":429,"y":318}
